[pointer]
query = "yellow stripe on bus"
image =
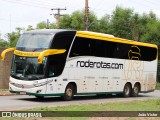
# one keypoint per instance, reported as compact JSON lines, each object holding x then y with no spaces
{"x":3,"y":54}
{"x":40,"y":55}
{"x":49,"y":52}
{"x":26,"y":54}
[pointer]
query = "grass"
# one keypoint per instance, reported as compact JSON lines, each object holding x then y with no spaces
{"x":141,"y":105}
{"x":145,"y":105}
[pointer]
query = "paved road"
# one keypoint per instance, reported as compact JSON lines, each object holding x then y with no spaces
{"x":23,"y":101}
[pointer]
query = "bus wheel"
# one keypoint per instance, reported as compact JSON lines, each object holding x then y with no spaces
{"x":135,"y":90}
{"x":127,"y":90}
{"x":69,"y":93}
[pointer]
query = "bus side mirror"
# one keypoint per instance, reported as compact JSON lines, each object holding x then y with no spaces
{"x":49,"y":52}
{"x":3,"y":54}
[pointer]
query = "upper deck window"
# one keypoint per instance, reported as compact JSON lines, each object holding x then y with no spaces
{"x":34,"y":42}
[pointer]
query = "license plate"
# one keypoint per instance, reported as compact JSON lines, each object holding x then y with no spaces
{"x":22,"y":93}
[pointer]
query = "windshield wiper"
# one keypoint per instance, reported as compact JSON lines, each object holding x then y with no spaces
{"x":37,"y":49}
{"x":37,"y":77}
{"x":15,"y":76}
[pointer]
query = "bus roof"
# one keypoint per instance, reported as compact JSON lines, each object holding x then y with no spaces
{"x":49,"y":31}
{"x":108,"y":37}
{"x":93,"y":35}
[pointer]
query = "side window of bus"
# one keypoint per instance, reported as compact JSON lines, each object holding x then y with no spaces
{"x":56,"y":65}
{"x":98,"y":48}
{"x":80,"y":47}
{"x":122,"y":51}
{"x":110,"y":49}
{"x":62,"y":41}
{"x":148,"y":53}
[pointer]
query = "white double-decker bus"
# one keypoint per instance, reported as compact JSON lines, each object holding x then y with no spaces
{"x":67,"y":63}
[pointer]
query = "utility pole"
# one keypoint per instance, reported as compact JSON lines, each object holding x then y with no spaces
{"x":58,"y":15}
{"x":47,"y":24}
{"x":86,"y":15}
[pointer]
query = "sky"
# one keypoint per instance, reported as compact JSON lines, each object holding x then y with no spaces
{"x":21,"y":13}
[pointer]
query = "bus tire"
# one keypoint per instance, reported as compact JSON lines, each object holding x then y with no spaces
{"x":127,"y":90}
{"x":69,"y":93}
{"x":135,"y":90}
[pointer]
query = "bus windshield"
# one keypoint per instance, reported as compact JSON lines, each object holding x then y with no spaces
{"x":27,"y":68}
{"x":34,"y":42}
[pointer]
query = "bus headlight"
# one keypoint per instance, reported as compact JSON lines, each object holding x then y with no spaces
{"x":38,"y":84}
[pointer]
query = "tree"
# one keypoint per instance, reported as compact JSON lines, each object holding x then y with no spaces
{"x":52,"y":26}
{"x":41,"y":25}
{"x":105,"y":24}
{"x":14,"y":36}
{"x":121,"y":22}
{"x":3,"y":43}
{"x":65,"y":22}
{"x":152,"y":35}
{"x":139,"y":24}
{"x":75,"y":21}
{"x":93,"y":22}
{"x":30,"y":27}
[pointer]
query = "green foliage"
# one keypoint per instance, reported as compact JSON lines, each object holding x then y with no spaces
{"x":3,"y":43}
{"x":142,"y":105}
{"x":152,"y":35}
{"x":14,"y":36}
{"x":41,"y":25}
{"x":75,"y":21}
{"x":29,"y":28}
{"x":138,"y":26}
{"x":65,"y":22}
{"x":158,"y":86}
{"x":121,"y":22}
{"x":104,"y":24}
{"x":52,"y":26}
{"x":93,"y":22}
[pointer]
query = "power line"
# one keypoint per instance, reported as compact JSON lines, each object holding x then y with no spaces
{"x":153,"y":3}
{"x":100,"y":2}
{"x":26,"y":4}
{"x":40,"y":3}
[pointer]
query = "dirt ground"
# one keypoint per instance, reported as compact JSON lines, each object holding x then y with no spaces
{"x":5,"y":92}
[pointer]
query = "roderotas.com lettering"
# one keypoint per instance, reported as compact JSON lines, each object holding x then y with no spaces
{"x":90,"y":64}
